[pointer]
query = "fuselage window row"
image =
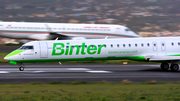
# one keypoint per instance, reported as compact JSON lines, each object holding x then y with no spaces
{"x":58,"y":28}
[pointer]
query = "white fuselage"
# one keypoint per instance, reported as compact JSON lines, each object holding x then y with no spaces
{"x":41,"y":31}
{"x":150,"y":49}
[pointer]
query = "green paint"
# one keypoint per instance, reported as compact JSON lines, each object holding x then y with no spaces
{"x":99,"y":49}
{"x":58,"y":49}
{"x":83,"y":49}
{"x":135,"y":58}
{"x":77,"y":51}
{"x":174,"y":55}
{"x":13,"y":62}
{"x":14,"y":53}
{"x":91,"y":49}
{"x":67,"y":49}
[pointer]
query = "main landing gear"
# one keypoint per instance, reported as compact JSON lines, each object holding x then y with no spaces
{"x":21,"y":68}
{"x":173,"y":67}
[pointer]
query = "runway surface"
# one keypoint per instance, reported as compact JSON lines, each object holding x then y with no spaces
{"x":85,"y":72}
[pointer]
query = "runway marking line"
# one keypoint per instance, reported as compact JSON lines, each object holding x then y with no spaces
{"x":4,"y":72}
{"x":99,"y":71}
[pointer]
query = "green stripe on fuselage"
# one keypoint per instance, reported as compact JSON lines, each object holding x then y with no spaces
{"x":135,"y":58}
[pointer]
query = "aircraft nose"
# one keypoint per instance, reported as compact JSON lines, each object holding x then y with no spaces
{"x":6,"y":58}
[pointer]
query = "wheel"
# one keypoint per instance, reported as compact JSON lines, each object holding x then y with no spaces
{"x":164,"y":66}
{"x":21,"y":68}
{"x":174,"y":67}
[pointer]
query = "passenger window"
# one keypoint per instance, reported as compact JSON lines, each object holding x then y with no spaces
{"x":117,"y":45}
{"x":129,"y":45}
{"x":135,"y":45}
{"x":179,"y":43}
{"x":105,"y":46}
{"x":142,"y":45}
{"x":124,"y":45}
{"x":162,"y":44}
{"x":111,"y":45}
{"x":148,"y":44}
{"x":172,"y":44}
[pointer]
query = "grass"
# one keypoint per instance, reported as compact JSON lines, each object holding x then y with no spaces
{"x":90,"y":92}
{"x":2,"y":55}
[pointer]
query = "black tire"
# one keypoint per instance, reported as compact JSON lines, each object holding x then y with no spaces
{"x":164,"y":66}
{"x":21,"y":68}
{"x":174,"y":67}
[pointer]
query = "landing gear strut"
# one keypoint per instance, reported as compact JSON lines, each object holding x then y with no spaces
{"x":173,"y":67}
{"x":21,"y":68}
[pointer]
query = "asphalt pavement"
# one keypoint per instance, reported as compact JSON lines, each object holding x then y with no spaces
{"x":45,"y":73}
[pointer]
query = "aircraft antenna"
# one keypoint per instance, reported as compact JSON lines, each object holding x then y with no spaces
{"x":60,"y":63}
{"x":106,"y":37}
{"x":57,"y":38}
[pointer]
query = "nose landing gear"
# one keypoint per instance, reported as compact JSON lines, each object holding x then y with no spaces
{"x":173,"y":67}
{"x":21,"y":68}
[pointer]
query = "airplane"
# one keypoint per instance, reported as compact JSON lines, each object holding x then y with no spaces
{"x":63,"y":31}
{"x":157,"y":49}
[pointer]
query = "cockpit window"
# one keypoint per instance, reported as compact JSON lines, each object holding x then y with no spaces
{"x":26,"y":47}
{"x":127,"y":29}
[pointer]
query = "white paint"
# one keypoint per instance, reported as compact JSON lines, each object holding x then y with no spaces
{"x":44,"y":31}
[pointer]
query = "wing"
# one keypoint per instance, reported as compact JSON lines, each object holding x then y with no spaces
{"x":54,"y":35}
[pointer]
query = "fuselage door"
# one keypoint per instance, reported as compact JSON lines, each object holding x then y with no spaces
{"x":43,"y":49}
{"x":163,"y":46}
{"x":154,"y":46}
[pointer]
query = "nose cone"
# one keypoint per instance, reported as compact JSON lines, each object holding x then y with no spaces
{"x":6,"y":58}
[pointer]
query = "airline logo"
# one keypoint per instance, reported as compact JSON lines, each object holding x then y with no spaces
{"x":62,"y":49}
